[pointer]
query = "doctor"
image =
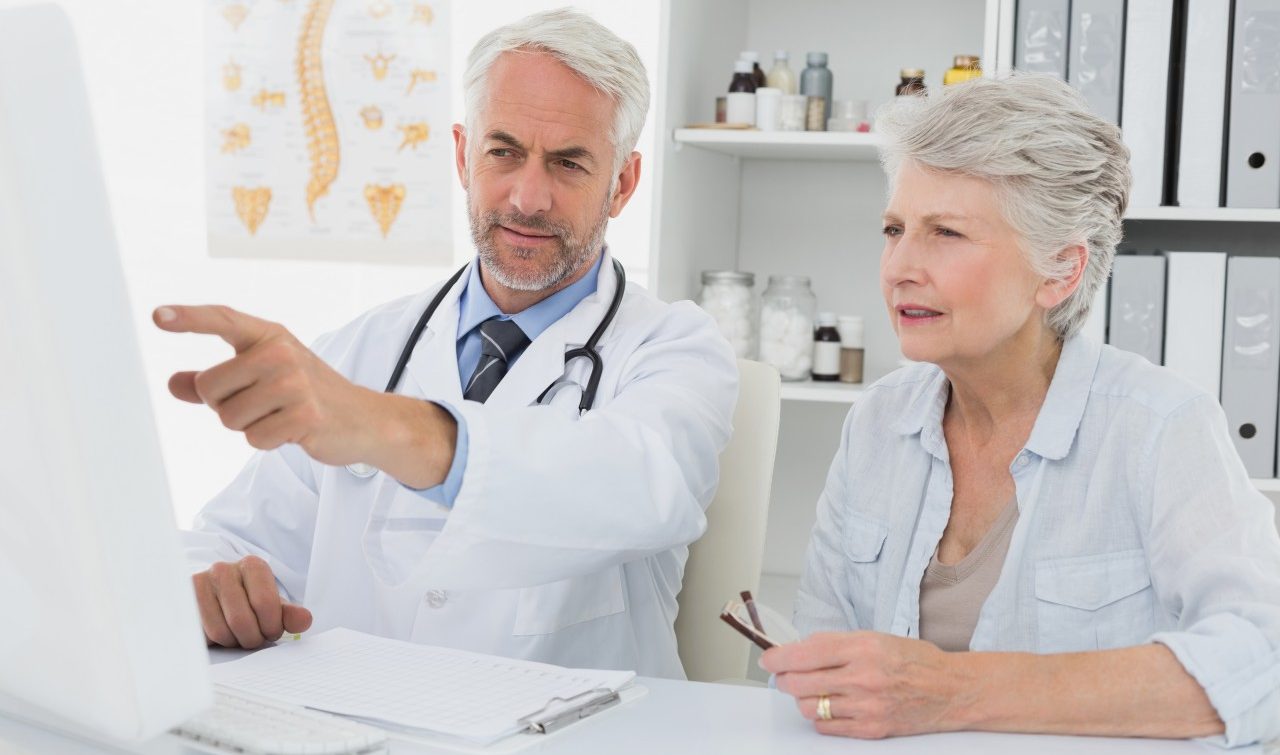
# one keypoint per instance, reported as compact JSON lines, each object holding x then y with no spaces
{"x":473,"y":504}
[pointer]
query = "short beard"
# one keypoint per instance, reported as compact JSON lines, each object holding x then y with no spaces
{"x":571,"y":254}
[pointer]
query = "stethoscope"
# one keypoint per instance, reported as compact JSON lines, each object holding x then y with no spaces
{"x":587,"y":350}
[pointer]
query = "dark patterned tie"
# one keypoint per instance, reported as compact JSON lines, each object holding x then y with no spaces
{"x":500,"y":341}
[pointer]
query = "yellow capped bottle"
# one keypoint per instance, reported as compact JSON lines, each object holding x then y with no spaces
{"x":964,"y":68}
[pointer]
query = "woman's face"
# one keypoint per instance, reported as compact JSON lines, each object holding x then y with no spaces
{"x":956,"y":284}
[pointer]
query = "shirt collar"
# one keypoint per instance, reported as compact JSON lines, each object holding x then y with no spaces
{"x":475,"y":306}
{"x":1059,"y":417}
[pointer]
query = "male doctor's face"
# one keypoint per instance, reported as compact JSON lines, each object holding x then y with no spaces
{"x":539,"y":173}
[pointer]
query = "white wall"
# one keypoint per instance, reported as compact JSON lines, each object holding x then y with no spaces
{"x":144,"y":65}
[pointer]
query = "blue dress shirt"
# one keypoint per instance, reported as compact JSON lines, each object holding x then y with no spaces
{"x":474,"y":307}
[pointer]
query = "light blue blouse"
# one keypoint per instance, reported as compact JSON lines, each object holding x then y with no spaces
{"x":1137,"y":524}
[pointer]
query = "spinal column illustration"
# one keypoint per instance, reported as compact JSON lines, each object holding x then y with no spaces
{"x":384,"y":203}
{"x":317,"y":116}
{"x":251,"y":204}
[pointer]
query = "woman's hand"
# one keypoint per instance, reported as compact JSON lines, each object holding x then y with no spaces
{"x":878,"y":685}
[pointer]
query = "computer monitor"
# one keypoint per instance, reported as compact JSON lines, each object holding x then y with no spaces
{"x":99,"y":632}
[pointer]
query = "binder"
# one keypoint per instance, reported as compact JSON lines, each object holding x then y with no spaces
{"x":1144,"y":112}
{"x":1096,"y":54}
{"x":1040,"y":40}
{"x":1251,"y":360}
{"x":1136,"y":317}
{"x":1253,"y":146}
{"x":1195,"y":295}
{"x":1095,"y":326}
{"x":1204,"y":101}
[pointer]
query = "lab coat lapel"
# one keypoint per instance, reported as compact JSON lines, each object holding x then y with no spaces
{"x":433,"y":368}
{"x":542,"y":363}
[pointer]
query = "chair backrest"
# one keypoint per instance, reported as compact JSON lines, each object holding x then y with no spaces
{"x":728,"y":557}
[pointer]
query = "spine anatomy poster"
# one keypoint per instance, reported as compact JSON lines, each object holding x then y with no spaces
{"x":328,"y":130}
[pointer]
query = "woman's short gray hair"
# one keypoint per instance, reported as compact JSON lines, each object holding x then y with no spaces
{"x":1061,"y":172}
{"x":602,"y":58}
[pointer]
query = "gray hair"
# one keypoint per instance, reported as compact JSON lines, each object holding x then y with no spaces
{"x":603,"y":59}
{"x":1061,"y":173}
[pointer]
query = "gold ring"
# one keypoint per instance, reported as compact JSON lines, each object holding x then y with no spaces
{"x":824,"y":707}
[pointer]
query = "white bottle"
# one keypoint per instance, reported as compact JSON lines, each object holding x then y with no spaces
{"x":781,"y":76}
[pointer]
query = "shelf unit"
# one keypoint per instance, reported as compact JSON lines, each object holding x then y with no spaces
{"x":810,"y":390}
{"x":782,"y":145}
{"x":810,"y":203}
{"x":1204,"y":214}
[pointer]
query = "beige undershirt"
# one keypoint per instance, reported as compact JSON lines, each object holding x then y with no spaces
{"x":952,"y":596}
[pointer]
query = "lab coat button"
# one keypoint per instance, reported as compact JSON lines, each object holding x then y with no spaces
{"x":436,"y":598}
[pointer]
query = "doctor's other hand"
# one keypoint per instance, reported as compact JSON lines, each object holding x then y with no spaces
{"x":276,"y":391}
{"x":877,"y":685}
{"x":240,"y":605}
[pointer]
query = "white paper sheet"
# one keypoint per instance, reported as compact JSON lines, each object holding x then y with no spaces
{"x":475,"y":697}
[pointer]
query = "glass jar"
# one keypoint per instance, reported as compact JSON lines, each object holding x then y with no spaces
{"x":727,"y":296}
{"x":786,"y":325}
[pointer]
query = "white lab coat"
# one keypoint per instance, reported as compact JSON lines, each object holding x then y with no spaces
{"x":568,"y":537}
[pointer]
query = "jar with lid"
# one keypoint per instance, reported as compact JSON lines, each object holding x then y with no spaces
{"x":964,"y":67}
{"x":786,"y":325}
{"x":727,"y":296}
{"x":912,"y":82}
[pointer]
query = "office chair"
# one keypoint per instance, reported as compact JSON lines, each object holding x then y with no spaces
{"x":728,"y":557}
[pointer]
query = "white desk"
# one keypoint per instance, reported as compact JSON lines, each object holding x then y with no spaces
{"x":707,"y":719}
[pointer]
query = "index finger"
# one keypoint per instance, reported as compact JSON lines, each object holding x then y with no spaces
{"x":236,"y":328}
{"x":821,"y":651}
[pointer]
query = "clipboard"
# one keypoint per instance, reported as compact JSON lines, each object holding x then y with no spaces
{"x":528,"y":737}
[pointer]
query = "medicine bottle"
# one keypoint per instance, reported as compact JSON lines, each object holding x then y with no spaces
{"x":757,"y":73}
{"x":742,"y":81}
{"x":826,"y":349}
{"x":964,"y":67}
{"x":851,"y":349}
{"x":912,"y":82}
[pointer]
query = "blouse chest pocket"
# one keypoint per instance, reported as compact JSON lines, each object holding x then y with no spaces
{"x":1094,"y":602}
{"x":863,"y":543}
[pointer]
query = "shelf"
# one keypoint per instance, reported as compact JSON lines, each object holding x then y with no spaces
{"x":809,"y":390}
{"x":1214,"y":214}
{"x":1267,"y":486}
{"x":783,"y":145}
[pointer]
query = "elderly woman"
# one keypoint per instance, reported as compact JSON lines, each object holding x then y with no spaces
{"x":1029,"y":531}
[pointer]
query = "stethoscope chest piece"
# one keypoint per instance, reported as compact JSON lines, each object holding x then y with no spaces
{"x":362,"y":470}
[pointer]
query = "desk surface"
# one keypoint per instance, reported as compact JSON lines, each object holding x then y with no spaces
{"x":691,"y":717}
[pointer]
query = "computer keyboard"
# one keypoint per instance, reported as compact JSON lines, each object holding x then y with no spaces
{"x":244,"y":724}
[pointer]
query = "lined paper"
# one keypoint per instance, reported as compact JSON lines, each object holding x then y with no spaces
{"x":476,"y":697}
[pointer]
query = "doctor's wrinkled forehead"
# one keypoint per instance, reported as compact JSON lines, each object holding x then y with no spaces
{"x":586,"y":47}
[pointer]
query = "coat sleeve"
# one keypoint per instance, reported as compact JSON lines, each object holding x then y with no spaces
{"x":268,"y":510}
{"x":1215,"y":563}
{"x":548,"y":495}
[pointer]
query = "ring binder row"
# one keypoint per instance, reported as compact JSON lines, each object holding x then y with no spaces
{"x":1215,"y":320}
{"x":1193,"y":84}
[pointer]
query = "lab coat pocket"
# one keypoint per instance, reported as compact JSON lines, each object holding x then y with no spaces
{"x":549,"y":608}
{"x":863,"y":541}
{"x":401,"y":528}
{"x":1094,"y":602}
